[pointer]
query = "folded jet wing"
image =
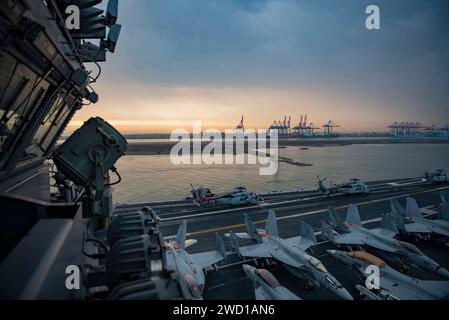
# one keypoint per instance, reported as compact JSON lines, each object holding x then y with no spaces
{"x":306,"y":239}
{"x":255,"y":251}
{"x":384,"y":233}
{"x":265,"y":250}
{"x":406,"y":226}
{"x":206,"y":259}
{"x":346,"y":238}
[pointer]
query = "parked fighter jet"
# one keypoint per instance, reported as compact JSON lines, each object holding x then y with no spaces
{"x":414,"y":229}
{"x":291,"y":252}
{"x":191,"y":266}
{"x":240,"y":196}
{"x":266,"y":285}
{"x":352,"y":233}
{"x":392,"y":283}
{"x":413,"y":213}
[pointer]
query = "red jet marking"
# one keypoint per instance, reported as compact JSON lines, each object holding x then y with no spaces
{"x":265,"y":234}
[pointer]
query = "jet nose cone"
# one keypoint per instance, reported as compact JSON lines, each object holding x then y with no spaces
{"x":247,"y":268}
{"x":344,"y":294}
{"x":443,"y":272}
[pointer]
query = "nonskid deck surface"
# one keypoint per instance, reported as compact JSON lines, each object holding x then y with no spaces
{"x":183,"y":206}
{"x":230,"y":282}
{"x":203,"y":225}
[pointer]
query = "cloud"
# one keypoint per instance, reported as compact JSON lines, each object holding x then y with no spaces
{"x":311,"y":46}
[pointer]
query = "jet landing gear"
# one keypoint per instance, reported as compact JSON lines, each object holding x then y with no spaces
{"x":265,"y":263}
{"x":310,"y":285}
{"x":403,"y":267}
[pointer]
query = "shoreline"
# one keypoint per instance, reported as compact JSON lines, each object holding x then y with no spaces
{"x":164,"y":148}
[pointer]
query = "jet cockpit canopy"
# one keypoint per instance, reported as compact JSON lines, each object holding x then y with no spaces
{"x":315,"y":263}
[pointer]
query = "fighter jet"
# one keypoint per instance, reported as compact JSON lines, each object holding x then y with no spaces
{"x":413,"y":213}
{"x":352,"y":233}
{"x":266,"y":285}
{"x":290,"y":252}
{"x":191,"y":266}
{"x":240,"y":196}
{"x":392,"y":283}
{"x":414,"y":229}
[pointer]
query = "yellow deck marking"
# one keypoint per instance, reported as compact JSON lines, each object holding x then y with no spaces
{"x":360,"y":204}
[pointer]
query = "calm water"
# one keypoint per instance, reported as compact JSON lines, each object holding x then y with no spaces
{"x":151,"y":178}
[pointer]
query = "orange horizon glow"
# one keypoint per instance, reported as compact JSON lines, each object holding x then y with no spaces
{"x":138,"y":109}
{"x":137,"y":128}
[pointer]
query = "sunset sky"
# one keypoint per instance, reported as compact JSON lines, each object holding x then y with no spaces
{"x":214,"y":60}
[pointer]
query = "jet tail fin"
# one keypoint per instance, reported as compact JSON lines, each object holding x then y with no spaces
{"x":307,"y":237}
{"x":396,"y":208}
{"x":412,"y":210}
{"x":391,"y":223}
{"x":250,"y":228}
{"x":272,"y":225}
{"x":307,"y":232}
{"x":181,"y":235}
{"x":336,"y":221}
{"x":235,"y":243}
{"x":327,"y":232}
{"x":219,"y":243}
{"x":334,"y":216}
{"x":353,"y":216}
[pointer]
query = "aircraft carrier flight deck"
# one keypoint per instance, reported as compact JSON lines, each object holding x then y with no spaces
{"x":228,"y":281}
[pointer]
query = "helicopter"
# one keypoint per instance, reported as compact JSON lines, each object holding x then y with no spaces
{"x":204,"y":197}
{"x":438,"y":176}
{"x":354,"y":186}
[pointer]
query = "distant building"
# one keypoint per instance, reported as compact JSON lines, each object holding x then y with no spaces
{"x":283,"y":128}
{"x":411,"y":129}
{"x":303,"y":128}
{"x":329,"y":128}
{"x":404,"y":128}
